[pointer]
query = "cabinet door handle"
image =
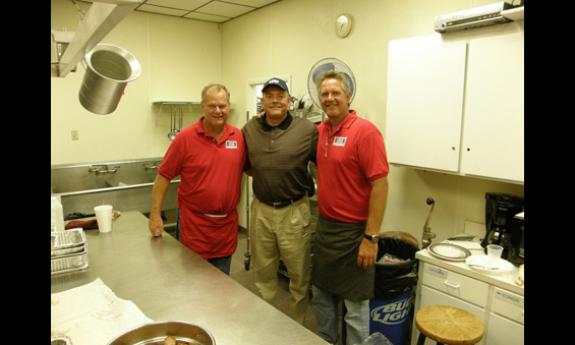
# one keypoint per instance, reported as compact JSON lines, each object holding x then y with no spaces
{"x":452,"y":285}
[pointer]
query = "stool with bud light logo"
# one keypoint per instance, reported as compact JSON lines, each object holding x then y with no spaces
{"x":391,"y":309}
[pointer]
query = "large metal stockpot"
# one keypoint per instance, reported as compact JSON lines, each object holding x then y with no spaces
{"x":108,"y":69}
{"x":156,"y":333}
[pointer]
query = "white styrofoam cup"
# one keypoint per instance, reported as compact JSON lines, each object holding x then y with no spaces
{"x":104,"y":217}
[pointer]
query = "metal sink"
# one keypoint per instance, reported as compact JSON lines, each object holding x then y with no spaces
{"x":127,"y":185}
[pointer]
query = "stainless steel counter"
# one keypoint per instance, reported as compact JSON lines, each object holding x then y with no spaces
{"x":167,"y":281}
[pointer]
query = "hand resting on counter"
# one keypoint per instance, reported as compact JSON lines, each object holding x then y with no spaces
{"x":156,"y":226}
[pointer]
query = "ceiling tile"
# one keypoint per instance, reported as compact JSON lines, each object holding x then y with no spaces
{"x":224,"y":9}
{"x":208,"y":17}
{"x":162,"y":10}
{"x":207,"y":10}
{"x":253,"y":3}
{"x":181,"y":4}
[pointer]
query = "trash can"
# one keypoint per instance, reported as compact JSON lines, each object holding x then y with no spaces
{"x":391,"y":309}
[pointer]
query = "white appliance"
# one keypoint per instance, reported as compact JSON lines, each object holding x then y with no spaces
{"x":472,"y":18}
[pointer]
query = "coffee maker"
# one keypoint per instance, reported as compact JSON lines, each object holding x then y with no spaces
{"x":500,"y":209}
{"x":517,"y":252}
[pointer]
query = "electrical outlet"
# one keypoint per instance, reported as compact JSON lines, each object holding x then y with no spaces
{"x":75,"y":135}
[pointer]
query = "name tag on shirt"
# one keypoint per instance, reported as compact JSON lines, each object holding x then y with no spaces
{"x":339,"y":141}
{"x":231,"y":145}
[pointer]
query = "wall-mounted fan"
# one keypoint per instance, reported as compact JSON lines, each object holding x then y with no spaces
{"x":328,"y":65}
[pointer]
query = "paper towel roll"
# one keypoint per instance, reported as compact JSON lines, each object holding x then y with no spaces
{"x":57,"y":215}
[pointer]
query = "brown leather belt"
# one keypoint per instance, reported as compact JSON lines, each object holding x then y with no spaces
{"x":282,"y":204}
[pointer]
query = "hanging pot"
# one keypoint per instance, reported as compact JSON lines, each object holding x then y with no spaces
{"x":108,"y":69}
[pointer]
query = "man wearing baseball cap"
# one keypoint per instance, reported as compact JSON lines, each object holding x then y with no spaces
{"x":279,"y":149}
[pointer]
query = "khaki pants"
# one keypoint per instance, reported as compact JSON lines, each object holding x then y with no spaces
{"x":282,"y":233}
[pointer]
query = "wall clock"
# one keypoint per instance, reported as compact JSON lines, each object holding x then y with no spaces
{"x":343,"y":25}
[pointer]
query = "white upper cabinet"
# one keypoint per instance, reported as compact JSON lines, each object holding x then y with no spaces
{"x":424,"y":102}
{"x":457,"y":106}
{"x":493,"y":115}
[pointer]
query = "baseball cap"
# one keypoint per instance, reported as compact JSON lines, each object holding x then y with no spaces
{"x":276,"y":82}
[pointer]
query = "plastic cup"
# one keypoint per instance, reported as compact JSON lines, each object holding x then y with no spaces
{"x":494,"y":252}
{"x":104,"y":217}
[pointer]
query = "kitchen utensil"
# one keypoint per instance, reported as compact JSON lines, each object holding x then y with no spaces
{"x":171,"y":125}
{"x":176,"y":119}
{"x":448,"y":251}
{"x":108,"y":69}
{"x":173,"y":132}
{"x":181,"y":119}
{"x":68,"y":251}
{"x":60,"y":340}
{"x":483,"y":263}
{"x":69,"y":263}
{"x":67,"y":242}
{"x":157,"y":332}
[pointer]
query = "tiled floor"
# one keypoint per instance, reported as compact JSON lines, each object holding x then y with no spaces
{"x":245,"y":278}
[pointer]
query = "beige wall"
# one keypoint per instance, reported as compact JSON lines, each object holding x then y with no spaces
{"x":289,"y":37}
{"x":180,"y":56}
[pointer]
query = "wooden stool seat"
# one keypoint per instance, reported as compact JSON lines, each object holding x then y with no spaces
{"x":448,"y":325}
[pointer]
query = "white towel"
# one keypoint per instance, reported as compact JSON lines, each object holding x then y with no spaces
{"x":92,"y":314}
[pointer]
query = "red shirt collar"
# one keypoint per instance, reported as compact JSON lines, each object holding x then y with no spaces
{"x":200,"y":129}
{"x":346,"y":123}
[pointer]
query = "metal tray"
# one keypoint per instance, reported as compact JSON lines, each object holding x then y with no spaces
{"x":68,"y":242}
{"x":69,"y":263}
{"x":66,"y":251}
{"x":448,"y":251}
{"x":67,"y":238}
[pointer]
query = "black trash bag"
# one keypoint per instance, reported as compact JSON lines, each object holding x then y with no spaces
{"x":394,"y":278}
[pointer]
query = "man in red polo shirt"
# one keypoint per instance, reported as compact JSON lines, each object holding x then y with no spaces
{"x":352,"y":188}
{"x":209,"y":157}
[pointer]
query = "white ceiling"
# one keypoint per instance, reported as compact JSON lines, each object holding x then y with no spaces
{"x":218,"y":11}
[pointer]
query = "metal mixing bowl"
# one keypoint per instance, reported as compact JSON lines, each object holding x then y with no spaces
{"x":60,"y":340}
{"x":156,"y":333}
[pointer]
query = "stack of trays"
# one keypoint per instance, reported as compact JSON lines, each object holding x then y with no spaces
{"x":69,"y":251}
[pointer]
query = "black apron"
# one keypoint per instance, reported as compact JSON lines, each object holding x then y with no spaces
{"x":334,"y":261}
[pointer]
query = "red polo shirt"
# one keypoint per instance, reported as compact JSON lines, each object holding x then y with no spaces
{"x":348,"y":158}
{"x":209,"y":190}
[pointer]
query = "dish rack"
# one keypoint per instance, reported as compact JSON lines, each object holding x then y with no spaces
{"x":69,"y":251}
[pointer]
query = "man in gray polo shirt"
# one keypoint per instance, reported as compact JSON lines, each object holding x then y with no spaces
{"x":279,"y":149}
